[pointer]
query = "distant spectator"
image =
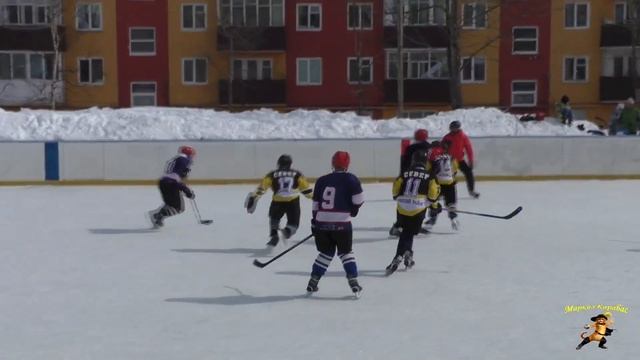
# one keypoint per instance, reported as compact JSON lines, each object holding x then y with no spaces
{"x":614,"y":121}
{"x":564,"y":109}
{"x":629,"y":118}
{"x":460,"y":145}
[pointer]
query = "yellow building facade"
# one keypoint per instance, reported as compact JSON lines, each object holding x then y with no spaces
{"x":91,"y":45}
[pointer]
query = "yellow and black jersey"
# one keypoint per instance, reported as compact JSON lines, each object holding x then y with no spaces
{"x":410,"y":190}
{"x":287,"y":185}
{"x":443,"y":168}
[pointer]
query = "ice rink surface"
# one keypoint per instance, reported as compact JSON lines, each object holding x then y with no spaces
{"x":83,"y":278}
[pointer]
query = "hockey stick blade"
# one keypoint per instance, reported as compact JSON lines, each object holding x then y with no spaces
{"x":506,"y":217}
{"x":206,"y":222}
{"x":258,"y":263}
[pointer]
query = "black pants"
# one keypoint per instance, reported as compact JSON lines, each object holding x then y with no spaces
{"x":278,"y":209}
{"x":410,"y":227}
{"x":171,"y":194}
{"x":468,"y":175}
{"x":327,"y":242}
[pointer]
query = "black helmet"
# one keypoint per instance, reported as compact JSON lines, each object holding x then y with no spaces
{"x":284,"y":162}
{"x":419,"y":158}
{"x":455,"y":125}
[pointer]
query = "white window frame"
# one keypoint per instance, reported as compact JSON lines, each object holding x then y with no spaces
{"x":90,"y":83}
{"x":360,"y":5}
{"x":349,"y":59}
{"x":474,"y":26}
{"x":21,"y":14}
{"x":407,"y":54}
{"x":513,"y":41}
{"x":575,"y":25}
{"x":155,"y":94}
{"x":298,"y":6}
{"x":155,"y":45}
{"x":535,"y":93}
{"x":206,"y":69}
{"x":298,"y":60}
{"x":260,"y":66}
{"x":573,"y":71}
{"x":473,"y":79}
{"x":221,"y":23}
{"x":90,"y":28}
{"x":194,"y":28}
{"x":27,"y":66}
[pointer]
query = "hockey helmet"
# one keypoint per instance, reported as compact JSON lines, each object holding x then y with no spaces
{"x":340,"y":160}
{"x":419,"y":158}
{"x":421,"y":135}
{"x":284,"y":162}
{"x":187,"y":150}
{"x":455,"y":125}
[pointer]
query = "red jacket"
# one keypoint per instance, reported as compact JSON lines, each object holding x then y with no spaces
{"x":459,"y":145}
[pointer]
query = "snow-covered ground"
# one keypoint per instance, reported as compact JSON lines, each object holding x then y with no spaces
{"x":198,"y":124}
{"x":92,"y":282}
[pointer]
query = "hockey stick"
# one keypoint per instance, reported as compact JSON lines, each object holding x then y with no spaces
{"x":194,"y":205}
{"x":506,"y":217}
{"x":261,"y":264}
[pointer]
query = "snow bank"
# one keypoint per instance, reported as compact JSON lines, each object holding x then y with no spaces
{"x":156,"y":123}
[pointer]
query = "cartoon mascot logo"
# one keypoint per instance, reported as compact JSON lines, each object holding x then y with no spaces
{"x":602,"y":325}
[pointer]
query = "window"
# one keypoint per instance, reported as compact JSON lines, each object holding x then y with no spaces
{"x":194,"y":71}
{"x":473,"y":69}
{"x":25,"y":14}
{"x":309,"y":17}
{"x":523,"y":93}
{"x":89,"y":17}
{"x":194,"y":17}
{"x":90,"y":71}
{"x":360,"y":16}
{"x":575,"y":69}
{"x":252,"y":12}
{"x":309,"y":71}
{"x":419,"y":64}
{"x":252,"y":69}
{"x":576,"y":15}
{"x":525,"y":40}
{"x":618,"y":66}
{"x":26,"y":65}
{"x":620,"y":12}
{"x":360,"y":71}
{"x":474,"y":15}
{"x":142,"y":41}
{"x":143,"y":94}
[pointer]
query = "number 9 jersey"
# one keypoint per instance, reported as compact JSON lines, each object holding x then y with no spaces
{"x":336,"y":198}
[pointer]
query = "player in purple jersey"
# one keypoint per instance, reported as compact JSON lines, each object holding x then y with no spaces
{"x":337,"y":197}
{"x":171,"y":185}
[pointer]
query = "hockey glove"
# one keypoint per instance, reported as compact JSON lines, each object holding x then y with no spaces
{"x":190,"y":194}
{"x":250,"y":202}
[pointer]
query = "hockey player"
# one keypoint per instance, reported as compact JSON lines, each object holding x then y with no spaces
{"x":460,"y":145}
{"x":442,"y":170}
{"x":420,"y":138}
{"x":171,"y":186}
{"x":286,"y":184}
{"x":410,"y":191}
{"x":337,"y":197}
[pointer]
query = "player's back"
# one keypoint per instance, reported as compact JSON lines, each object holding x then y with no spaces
{"x":177,"y":168}
{"x":336,"y":197}
{"x":410,"y":190}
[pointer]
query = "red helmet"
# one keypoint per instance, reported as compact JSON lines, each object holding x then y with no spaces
{"x":340,"y":160}
{"x":187,"y":150}
{"x":421,"y":135}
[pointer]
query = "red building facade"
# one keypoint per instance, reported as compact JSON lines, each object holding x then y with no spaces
{"x":143,"y":60}
{"x":525,"y":55}
{"x":335,"y":53}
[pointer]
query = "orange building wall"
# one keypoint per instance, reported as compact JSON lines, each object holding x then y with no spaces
{"x":483,"y":42}
{"x":192,"y":44}
{"x":100,"y":44}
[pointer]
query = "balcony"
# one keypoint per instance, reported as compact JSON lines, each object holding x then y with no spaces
{"x":29,"y":39}
{"x":417,"y":37}
{"x":612,"y":35}
{"x":249,"y":92}
{"x":252,"y":38}
{"x":418,"y":91}
{"x":616,"y":88}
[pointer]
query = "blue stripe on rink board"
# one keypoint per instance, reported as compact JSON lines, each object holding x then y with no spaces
{"x":51,"y":161}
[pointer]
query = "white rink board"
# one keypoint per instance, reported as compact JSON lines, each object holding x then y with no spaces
{"x":21,"y":161}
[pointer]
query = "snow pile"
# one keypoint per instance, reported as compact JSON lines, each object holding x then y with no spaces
{"x":156,"y":123}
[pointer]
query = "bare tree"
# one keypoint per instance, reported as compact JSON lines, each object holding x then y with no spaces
{"x":55,"y":23}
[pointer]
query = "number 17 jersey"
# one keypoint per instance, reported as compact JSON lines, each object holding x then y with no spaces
{"x":285,"y":184}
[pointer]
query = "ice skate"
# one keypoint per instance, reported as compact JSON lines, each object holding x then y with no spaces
{"x":428,"y":225}
{"x":474,"y":194}
{"x":273,"y":241}
{"x":355,"y":287}
{"x":313,"y":284}
{"x":394,"y":231}
{"x":394,"y":265}
{"x":408,"y":259}
{"x":455,"y":225}
{"x":155,"y":218}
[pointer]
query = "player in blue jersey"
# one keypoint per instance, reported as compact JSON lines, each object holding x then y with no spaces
{"x":337,"y":197}
{"x":171,"y":186}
